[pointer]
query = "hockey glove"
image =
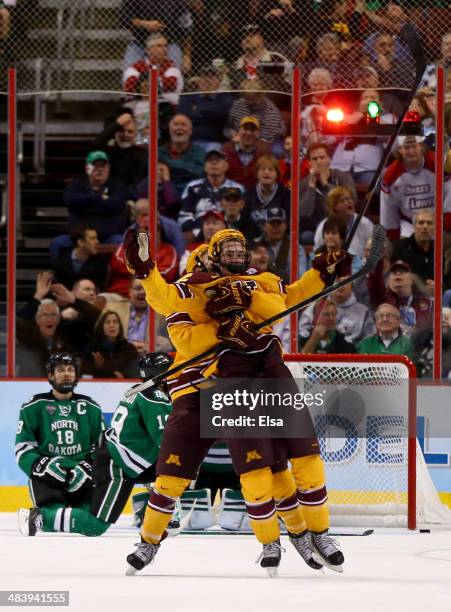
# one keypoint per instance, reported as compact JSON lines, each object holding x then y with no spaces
{"x":137,"y":257}
{"x":329,"y":264}
{"x":234,"y":297}
{"x":79,"y":476}
{"x":238,"y":332}
{"x":49,"y":470}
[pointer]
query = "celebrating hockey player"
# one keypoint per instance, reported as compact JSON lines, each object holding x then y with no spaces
{"x":56,"y":434}
{"x":196,"y":321}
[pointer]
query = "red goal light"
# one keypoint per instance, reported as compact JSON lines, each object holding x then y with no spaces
{"x":412,"y":117}
{"x":335,"y":115}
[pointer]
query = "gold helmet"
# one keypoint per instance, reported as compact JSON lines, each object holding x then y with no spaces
{"x":215,"y":247}
{"x":195,"y":262}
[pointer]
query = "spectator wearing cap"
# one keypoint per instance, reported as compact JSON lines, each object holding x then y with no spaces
{"x":388,"y":339}
{"x":253,"y":103}
{"x":208,"y":109}
{"x":211,"y":222}
{"x":96,"y":199}
{"x":418,"y":249}
{"x":276,"y":236}
{"x":408,"y":185}
{"x":184,"y":159}
{"x":128,"y":161}
{"x":340,"y":204}
{"x":170,"y":79}
{"x":268,"y":192}
{"x":236,"y":217}
{"x":83,"y":261}
{"x":415,"y":308}
{"x":244,"y":150}
{"x":315,"y":188}
{"x":203,"y":194}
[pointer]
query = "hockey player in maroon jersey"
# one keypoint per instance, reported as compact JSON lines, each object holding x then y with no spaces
{"x":197,"y":323}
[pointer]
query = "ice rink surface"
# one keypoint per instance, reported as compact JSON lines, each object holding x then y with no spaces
{"x":391,"y":570}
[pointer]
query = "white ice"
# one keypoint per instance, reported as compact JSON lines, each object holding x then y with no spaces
{"x":387,"y":571}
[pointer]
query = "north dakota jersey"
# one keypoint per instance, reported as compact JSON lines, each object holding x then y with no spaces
{"x":136,"y":429}
{"x":69,"y":429}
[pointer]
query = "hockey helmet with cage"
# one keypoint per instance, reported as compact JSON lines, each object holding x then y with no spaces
{"x":215,"y":248}
{"x":153,"y":364}
{"x":195,"y":263}
{"x":63,"y":358}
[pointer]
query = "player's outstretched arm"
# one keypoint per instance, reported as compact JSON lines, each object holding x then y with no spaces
{"x":160,"y":295}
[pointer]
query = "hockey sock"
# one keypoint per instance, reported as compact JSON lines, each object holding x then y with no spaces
{"x":257,"y":489}
{"x":72,"y":520}
{"x":160,"y":506}
{"x":287,"y":504}
{"x":310,"y":478}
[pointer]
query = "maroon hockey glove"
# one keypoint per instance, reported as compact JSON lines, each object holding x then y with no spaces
{"x":233,"y":297}
{"x":238,"y":332}
{"x":329,"y":264}
{"x":133,"y":259}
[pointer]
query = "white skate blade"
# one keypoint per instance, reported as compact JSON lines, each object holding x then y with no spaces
{"x":334,"y":568}
{"x":272,"y":571}
{"x":130,"y":571}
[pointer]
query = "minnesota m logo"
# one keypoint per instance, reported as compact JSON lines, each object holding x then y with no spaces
{"x":173,"y":459}
{"x":252,"y":455}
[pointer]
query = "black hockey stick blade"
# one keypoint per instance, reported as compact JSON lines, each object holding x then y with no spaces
{"x":409,"y":36}
{"x":224,"y":532}
{"x":377,"y":247}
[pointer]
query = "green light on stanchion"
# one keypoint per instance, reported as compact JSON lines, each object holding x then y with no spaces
{"x":373,"y":110}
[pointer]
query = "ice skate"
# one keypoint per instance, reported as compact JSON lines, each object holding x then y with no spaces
{"x":270,"y":557}
{"x":30,"y":520}
{"x":302,"y":543}
{"x":143,"y":555}
{"x":327,"y":549}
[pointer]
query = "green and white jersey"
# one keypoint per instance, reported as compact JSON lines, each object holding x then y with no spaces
{"x":136,"y":430}
{"x":218,"y":459}
{"x":69,"y":429}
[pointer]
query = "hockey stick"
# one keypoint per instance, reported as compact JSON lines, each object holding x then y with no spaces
{"x":410,"y":37}
{"x":374,"y":256}
{"x":225,"y":532}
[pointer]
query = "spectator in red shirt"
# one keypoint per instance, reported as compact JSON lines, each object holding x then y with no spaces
{"x":243,"y":152}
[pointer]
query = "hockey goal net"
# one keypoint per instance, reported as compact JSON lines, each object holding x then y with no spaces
{"x":376,"y":480}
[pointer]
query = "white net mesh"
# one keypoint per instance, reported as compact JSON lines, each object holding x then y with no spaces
{"x":367,"y":478}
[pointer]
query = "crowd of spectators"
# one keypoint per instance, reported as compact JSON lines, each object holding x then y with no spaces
{"x":224,"y":160}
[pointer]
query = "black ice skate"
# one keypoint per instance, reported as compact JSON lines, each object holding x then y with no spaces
{"x":30,"y":520}
{"x":302,"y":543}
{"x":327,"y":549}
{"x":143,"y":555}
{"x":270,"y":556}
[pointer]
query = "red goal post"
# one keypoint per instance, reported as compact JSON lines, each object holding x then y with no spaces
{"x":360,"y":491}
